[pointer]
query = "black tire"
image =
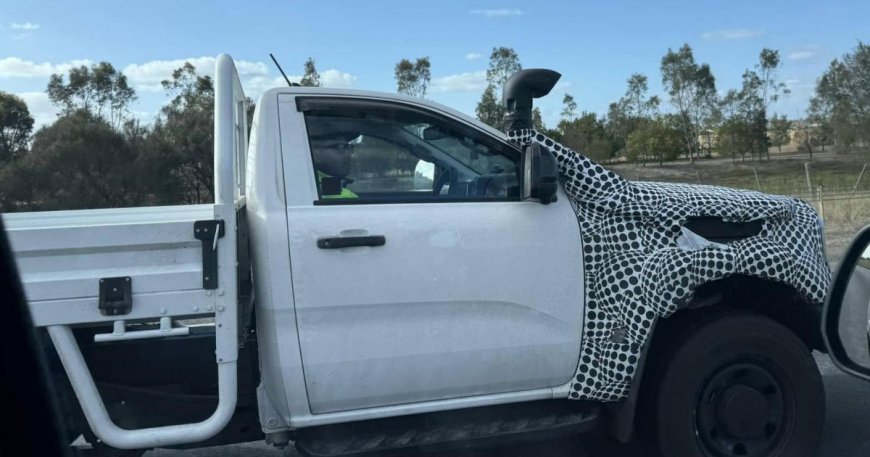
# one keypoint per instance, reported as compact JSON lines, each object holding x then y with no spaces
{"x":738,"y":384}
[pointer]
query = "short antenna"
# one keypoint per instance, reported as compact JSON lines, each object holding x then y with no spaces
{"x":282,"y":71}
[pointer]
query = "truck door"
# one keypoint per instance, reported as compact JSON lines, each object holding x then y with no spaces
{"x":417,"y":272}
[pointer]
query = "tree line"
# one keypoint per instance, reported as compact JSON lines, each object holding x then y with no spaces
{"x":697,"y":121}
{"x":96,"y":154}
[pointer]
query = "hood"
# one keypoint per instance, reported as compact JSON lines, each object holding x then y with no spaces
{"x":667,"y":199}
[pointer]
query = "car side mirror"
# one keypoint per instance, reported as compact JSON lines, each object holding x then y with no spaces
{"x":845,"y":322}
{"x":540,"y":174}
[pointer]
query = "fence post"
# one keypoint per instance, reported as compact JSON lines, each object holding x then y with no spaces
{"x":699,"y":177}
{"x":809,"y":184}
{"x":757,"y":184}
{"x":821,"y":203}
{"x":859,"y":178}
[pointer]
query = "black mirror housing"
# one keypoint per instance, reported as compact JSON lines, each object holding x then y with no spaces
{"x":540,"y":174}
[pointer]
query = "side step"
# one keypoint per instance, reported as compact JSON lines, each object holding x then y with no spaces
{"x":451,"y":430}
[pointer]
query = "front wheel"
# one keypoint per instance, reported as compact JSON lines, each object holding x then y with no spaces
{"x":739,"y":384}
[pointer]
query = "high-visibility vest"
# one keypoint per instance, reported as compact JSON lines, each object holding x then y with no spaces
{"x":345,"y":192}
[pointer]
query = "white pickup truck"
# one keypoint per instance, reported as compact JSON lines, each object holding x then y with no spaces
{"x":380,"y":273}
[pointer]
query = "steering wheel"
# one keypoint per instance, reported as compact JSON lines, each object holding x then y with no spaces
{"x":447,"y":177}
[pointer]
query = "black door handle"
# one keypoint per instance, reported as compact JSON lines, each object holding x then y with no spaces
{"x":338,"y":242}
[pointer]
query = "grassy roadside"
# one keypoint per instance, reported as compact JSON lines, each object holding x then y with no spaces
{"x":778,"y":174}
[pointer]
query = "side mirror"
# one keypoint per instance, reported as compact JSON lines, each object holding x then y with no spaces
{"x":845,"y":315}
{"x":540,"y":174}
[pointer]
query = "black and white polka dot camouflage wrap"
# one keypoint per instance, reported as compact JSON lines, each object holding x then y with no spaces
{"x":636,"y":272}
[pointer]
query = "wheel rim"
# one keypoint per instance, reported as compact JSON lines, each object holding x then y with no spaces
{"x":744,"y":409}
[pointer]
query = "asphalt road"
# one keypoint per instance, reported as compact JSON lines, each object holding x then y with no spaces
{"x":847,"y":419}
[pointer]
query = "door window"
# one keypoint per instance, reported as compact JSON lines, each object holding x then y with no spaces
{"x":386,"y":153}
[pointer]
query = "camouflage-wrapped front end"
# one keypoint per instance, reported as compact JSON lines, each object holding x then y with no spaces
{"x":638,"y":268}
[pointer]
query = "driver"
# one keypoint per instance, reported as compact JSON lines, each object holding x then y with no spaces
{"x":332,"y":160}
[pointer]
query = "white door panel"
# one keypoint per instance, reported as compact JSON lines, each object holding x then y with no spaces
{"x":463,"y":299}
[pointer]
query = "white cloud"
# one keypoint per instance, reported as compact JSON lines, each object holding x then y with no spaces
{"x":147,"y":76}
{"x":40,"y":108}
{"x":335,"y":78}
{"x":23,"y":26}
{"x":65,"y":67}
{"x":256,"y":85}
{"x":14,"y":67}
{"x":473,"y":56}
{"x":732,"y":34}
{"x":255,"y":76}
{"x":801,"y":55}
{"x":329,"y":78}
{"x":497,"y":12}
{"x":462,"y":82}
{"x":806,"y":52}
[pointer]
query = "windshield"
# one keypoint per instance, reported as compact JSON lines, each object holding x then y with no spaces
{"x":470,"y":152}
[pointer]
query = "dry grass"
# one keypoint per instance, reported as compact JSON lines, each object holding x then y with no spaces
{"x":783,"y":175}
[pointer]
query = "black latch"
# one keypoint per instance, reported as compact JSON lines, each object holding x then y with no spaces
{"x":116,"y":296}
{"x":208,"y":232}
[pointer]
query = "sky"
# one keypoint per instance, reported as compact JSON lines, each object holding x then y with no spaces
{"x":596,"y":45}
